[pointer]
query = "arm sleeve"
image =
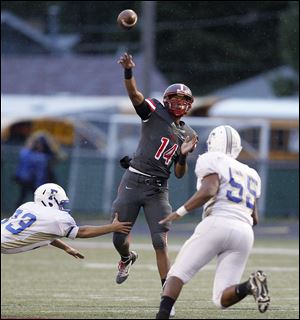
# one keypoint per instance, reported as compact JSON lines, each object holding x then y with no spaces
{"x":206,"y":165}
{"x":145,"y":109}
{"x":68,"y":227}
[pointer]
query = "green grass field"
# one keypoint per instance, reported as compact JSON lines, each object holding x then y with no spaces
{"x":47,"y":283}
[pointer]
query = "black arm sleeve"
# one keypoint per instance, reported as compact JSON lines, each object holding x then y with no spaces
{"x":143,"y":110}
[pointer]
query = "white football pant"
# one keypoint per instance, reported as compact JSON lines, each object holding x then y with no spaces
{"x":228,"y":239}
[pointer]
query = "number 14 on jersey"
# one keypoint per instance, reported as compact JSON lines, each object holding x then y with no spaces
{"x":168,"y":154}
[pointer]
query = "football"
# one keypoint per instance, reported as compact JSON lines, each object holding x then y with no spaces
{"x":127,"y":19}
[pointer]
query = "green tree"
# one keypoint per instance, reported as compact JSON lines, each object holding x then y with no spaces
{"x":211,"y":44}
{"x":289,"y":35}
{"x":289,"y":50}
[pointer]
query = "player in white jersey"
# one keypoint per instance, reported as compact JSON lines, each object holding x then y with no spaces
{"x":44,"y":221}
{"x":228,"y":190}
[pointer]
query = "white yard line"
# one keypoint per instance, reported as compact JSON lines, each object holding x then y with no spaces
{"x":153,"y":267}
{"x":176,"y":248}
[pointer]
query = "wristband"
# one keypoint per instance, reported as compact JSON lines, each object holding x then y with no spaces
{"x":127,"y":74}
{"x":181,"y":211}
{"x":182,"y":159}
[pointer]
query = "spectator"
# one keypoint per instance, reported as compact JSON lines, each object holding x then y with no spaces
{"x":36,"y":162}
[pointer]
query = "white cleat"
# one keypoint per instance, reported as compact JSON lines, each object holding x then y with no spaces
{"x":124,"y":267}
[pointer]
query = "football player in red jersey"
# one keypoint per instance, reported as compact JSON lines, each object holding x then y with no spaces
{"x":165,"y":141}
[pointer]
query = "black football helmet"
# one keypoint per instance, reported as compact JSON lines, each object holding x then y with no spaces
{"x":178,"y":99}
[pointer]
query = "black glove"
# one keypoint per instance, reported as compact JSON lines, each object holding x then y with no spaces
{"x":125,"y":162}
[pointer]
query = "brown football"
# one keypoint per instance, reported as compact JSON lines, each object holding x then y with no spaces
{"x":127,"y":19}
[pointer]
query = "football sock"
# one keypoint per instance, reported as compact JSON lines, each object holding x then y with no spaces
{"x":162,"y":315}
{"x":166,"y":304}
{"x":242,"y":289}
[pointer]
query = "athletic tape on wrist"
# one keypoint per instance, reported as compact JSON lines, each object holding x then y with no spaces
{"x":181,"y":211}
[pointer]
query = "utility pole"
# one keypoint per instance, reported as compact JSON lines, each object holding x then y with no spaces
{"x":53,"y":24}
{"x":148,"y":44}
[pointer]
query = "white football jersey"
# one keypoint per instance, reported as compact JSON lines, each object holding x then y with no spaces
{"x":239,"y":188}
{"x":33,"y":226}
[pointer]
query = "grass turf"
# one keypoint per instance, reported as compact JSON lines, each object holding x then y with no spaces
{"x":48,"y":283}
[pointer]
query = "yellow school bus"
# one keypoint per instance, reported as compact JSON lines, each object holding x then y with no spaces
{"x":282,"y":116}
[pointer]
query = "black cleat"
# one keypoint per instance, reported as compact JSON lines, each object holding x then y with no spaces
{"x":259,"y":289}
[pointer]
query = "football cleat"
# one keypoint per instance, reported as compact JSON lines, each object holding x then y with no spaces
{"x":124,"y":267}
{"x":259,"y":289}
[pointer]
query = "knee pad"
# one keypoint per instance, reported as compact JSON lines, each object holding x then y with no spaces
{"x":159,"y":240}
{"x":119,"y":239}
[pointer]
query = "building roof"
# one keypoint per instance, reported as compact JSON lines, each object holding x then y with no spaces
{"x":27,"y":67}
{"x":18,"y":24}
{"x":72,"y":74}
{"x":259,"y":86}
{"x":35,"y":37}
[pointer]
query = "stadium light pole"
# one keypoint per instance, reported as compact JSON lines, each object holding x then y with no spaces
{"x":148,"y":44}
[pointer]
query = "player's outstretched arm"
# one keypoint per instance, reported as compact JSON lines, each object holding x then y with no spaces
{"x":96,"y":231}
{"x":255,"y":215}
{"x":134,"y":94}
{"x":61,"y":245}
{"x":209,"y":188}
